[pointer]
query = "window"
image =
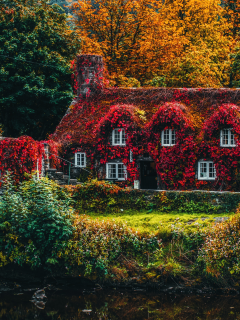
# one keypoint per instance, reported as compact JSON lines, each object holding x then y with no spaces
{"x":80,"y":159}
{"x":116,"y":171}
{"x":118,"y":137}
{"x":169,"y":137}
{"x":206,"y":170}
{"x":227,"y":138}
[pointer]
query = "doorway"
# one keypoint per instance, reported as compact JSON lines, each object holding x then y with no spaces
{"x":148,"y":175}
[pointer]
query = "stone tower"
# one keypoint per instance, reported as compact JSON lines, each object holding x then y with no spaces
{"x":89,"y":75}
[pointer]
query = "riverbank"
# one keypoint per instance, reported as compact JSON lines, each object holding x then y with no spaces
{"x":45,"y":234}
{"x":171,"y":266}
{"x":16,"y":280}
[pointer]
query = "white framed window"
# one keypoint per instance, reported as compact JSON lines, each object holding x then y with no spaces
{"x":118,"y":137}
{"x":116,"y":171}
{"x":80,"y":159}
{"x":168,"y":137}
{"x":227,"y":138}
{"x":206,"y":170}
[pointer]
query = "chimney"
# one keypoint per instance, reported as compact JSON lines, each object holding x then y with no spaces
{"x":89,"y":75}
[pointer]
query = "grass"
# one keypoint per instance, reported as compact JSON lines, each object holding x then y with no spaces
{"x":182,"y":234}
{"x":161,"y":222}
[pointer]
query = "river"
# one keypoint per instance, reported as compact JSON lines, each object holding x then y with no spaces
{"x":118,"y":304}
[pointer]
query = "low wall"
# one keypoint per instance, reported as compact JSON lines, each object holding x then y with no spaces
{"x":105,"y":197}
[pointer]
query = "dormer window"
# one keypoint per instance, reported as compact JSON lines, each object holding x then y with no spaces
{"x":206,"y":170}
{"x":80,"y":159}
{"x":118,"y":137}
{"x":168,"y":137}
{"x":227,"y":138}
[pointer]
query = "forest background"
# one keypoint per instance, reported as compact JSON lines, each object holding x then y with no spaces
{"x":173,"y":43}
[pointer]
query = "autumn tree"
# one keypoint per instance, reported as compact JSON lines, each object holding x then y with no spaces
{"x":36,"y":46}
{"x":205,"y":59}
{"x":232,"y":14}
{"x":118,"y":29}
{"x":185,"y":42}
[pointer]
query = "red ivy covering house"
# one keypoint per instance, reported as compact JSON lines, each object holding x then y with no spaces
{"x":155,"y":138}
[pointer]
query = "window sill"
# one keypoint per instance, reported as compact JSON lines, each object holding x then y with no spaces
{"x":228,"y":146}
{"x":168,"y":145}
{"x":114,"y":179}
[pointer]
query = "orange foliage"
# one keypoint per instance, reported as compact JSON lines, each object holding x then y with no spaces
{"x":232,"y":14}
{"x":188,"y":43}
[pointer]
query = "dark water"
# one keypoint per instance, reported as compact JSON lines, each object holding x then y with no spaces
{"x":120,"y":305}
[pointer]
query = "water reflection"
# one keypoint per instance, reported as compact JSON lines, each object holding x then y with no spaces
{"x":124,"y":305}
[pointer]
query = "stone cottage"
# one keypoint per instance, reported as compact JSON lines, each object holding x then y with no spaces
{"x":151,"y":138}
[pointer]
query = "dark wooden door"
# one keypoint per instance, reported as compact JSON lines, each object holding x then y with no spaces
{"x":148,"y":175}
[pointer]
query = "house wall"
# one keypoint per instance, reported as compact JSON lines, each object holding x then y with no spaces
{"x":176,"y":166}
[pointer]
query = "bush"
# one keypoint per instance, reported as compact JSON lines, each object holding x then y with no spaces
{"x":220,"y":254}
{"x":96,"y":245}
{"x":101,"y":196}
{"x":197,"y":201}
{"x":38,"y":229}
{"x":34,"y":218}
{"x":95,"y":195}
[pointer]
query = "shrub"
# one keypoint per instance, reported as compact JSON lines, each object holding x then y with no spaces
{"x":95,"y":195}
{"x":34,"y":217}
{"x":220,"y":253}
{"x":39,"y":229}
{"x":101,"y":196}
{"x":97,"y":244}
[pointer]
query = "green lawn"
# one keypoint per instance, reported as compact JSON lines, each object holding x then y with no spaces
{"x":162,"y":222}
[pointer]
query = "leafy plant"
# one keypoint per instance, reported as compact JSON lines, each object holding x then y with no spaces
{"x":192,"y":207}
{"x":102,"y":196}
{"x":97,"y":244}
{"x":219,"y":255}
{"x":39,"y":217}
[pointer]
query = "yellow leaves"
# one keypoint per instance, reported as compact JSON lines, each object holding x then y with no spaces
{"x":3,"y":259}
{"x":141,"y":114}
{"x":186,"y":42}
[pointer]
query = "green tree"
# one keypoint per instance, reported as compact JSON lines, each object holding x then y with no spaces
{"x":36,"y":48}
{"x":235,"y":68}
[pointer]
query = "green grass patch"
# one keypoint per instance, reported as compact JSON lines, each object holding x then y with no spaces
{"x":161,"y":222}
